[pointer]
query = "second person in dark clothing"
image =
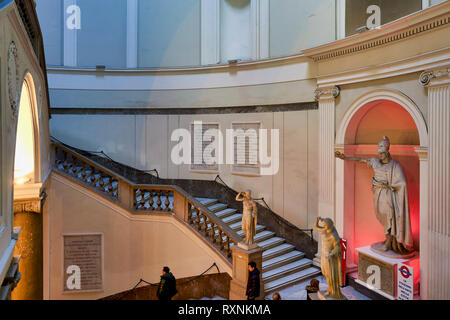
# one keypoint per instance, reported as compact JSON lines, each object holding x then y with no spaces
{"x":167,"y":286}
{"x":253,"y":284}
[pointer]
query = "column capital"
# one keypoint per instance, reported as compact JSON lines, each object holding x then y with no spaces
{"x":327,"y":93}
{"x":436,"y":77}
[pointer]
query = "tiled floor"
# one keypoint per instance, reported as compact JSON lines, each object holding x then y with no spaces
{"x":298,"y":292}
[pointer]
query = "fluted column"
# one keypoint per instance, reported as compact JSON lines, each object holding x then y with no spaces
{"x":326,"y":98}
{"x":437,"y":263}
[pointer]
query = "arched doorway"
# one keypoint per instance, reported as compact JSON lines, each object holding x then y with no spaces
{"x":24,"y":160}
{"x":367,"y":120}
{"x":27,"y":210}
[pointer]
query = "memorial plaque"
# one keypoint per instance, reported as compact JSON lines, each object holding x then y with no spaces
{"x":83,"y":259}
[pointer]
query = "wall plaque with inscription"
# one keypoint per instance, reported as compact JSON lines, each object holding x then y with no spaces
{"x":85,"y":252}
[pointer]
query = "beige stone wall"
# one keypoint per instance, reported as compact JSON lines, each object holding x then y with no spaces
{"x":134,"y":246}
{"x":144,"y":142}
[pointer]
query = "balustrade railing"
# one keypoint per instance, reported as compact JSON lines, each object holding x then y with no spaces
{"x":147,"y":199}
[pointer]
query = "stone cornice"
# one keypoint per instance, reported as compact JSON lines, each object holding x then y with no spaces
{"x":406,"y":27}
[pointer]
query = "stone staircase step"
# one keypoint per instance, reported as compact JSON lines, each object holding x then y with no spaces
{"x":291,"y":279}
{"x":264,"y":235}
{"x":233,"y":219}
{"x":271,"y":243}
{"x":281,"y":260}
{"x":277,"y":251}
{"x":226,"y":213}
{"x":259,"y":228}
{"x":217,"y":207}
{"x":238,"y":227}
{"x":286,"y":270}
{"x":207,"y":201}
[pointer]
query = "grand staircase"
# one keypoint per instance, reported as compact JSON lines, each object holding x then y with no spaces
{"x":216,"y":222}
{"x":283,"y":265}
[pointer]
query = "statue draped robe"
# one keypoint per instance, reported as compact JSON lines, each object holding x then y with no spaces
{"x":390,"y":195}
{"x":331,"y":267}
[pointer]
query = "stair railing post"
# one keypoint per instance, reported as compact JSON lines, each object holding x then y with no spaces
{"x":241,"y":259}
{"x":126,"y":194}
{"x":180,"y":206}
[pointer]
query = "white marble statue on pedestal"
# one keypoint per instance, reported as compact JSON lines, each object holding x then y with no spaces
{"x":390,"y":194}
{"x":249,"y":217}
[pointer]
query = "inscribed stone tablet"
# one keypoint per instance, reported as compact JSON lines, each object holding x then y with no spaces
{"x":84,"y":251}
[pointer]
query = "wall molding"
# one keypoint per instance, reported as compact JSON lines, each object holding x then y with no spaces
{"x":188,"y":111}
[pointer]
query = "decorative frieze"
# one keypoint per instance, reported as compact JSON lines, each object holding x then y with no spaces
{"x":30,"y":206}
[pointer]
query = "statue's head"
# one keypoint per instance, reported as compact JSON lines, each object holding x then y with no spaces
{"x":328,"y":223}
{"x":248,"y":194}
{"x":383,"y":148}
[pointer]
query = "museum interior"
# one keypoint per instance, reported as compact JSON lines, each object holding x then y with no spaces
{"x":309,"y":137}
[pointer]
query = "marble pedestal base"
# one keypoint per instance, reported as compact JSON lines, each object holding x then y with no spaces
{"x":241,"y":258}
{"x":379,"y":272}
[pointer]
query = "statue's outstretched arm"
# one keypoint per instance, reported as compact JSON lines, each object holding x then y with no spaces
{"x":343,"y":157}
{"x":239,"y":197}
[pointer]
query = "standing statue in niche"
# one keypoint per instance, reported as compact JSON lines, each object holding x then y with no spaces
{"x":249,"y":217}
{"x":330,"y":261}
{"x":390,"y":195}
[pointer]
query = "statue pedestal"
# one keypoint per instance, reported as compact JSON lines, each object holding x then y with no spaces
{"x":241,"y":258}
{"x":378,"y":272}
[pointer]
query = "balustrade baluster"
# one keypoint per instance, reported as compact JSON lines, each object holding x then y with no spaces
{"x":212,"y":233}
{"x":205,"y":226}
{"x":136,"y":197}
{"x":220,"y":240}
{"x":197,"y":220}
{"x":167,"y":202}
{"x":151,"y":202}
{"x":227,"y":248}
{"x":189,"y":213}
{"x":158,"y":201}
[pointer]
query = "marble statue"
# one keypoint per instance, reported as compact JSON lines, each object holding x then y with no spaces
{"x":249,"y":216}
{"x":390,"y":195}
{"x":330,"y":260}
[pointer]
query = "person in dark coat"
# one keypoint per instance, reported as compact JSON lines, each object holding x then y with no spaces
{"x":253,"y":284}
{"x":167,"y":286}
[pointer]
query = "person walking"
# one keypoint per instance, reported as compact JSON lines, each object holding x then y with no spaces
{"x":167,"y":286}
{"x":253,"y":283}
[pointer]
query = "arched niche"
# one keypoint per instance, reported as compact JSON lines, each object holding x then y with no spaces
{"x":366,"y":121}
{"x":27,"y":155}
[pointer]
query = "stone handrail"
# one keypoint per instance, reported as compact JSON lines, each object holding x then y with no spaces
{"x":146,"y":198}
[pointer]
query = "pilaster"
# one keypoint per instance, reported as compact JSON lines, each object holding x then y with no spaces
{"x":327,"y":104}
{"x":436,"y":264}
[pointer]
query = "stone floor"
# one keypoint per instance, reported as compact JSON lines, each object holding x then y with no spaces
{"x":298,"y":292}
